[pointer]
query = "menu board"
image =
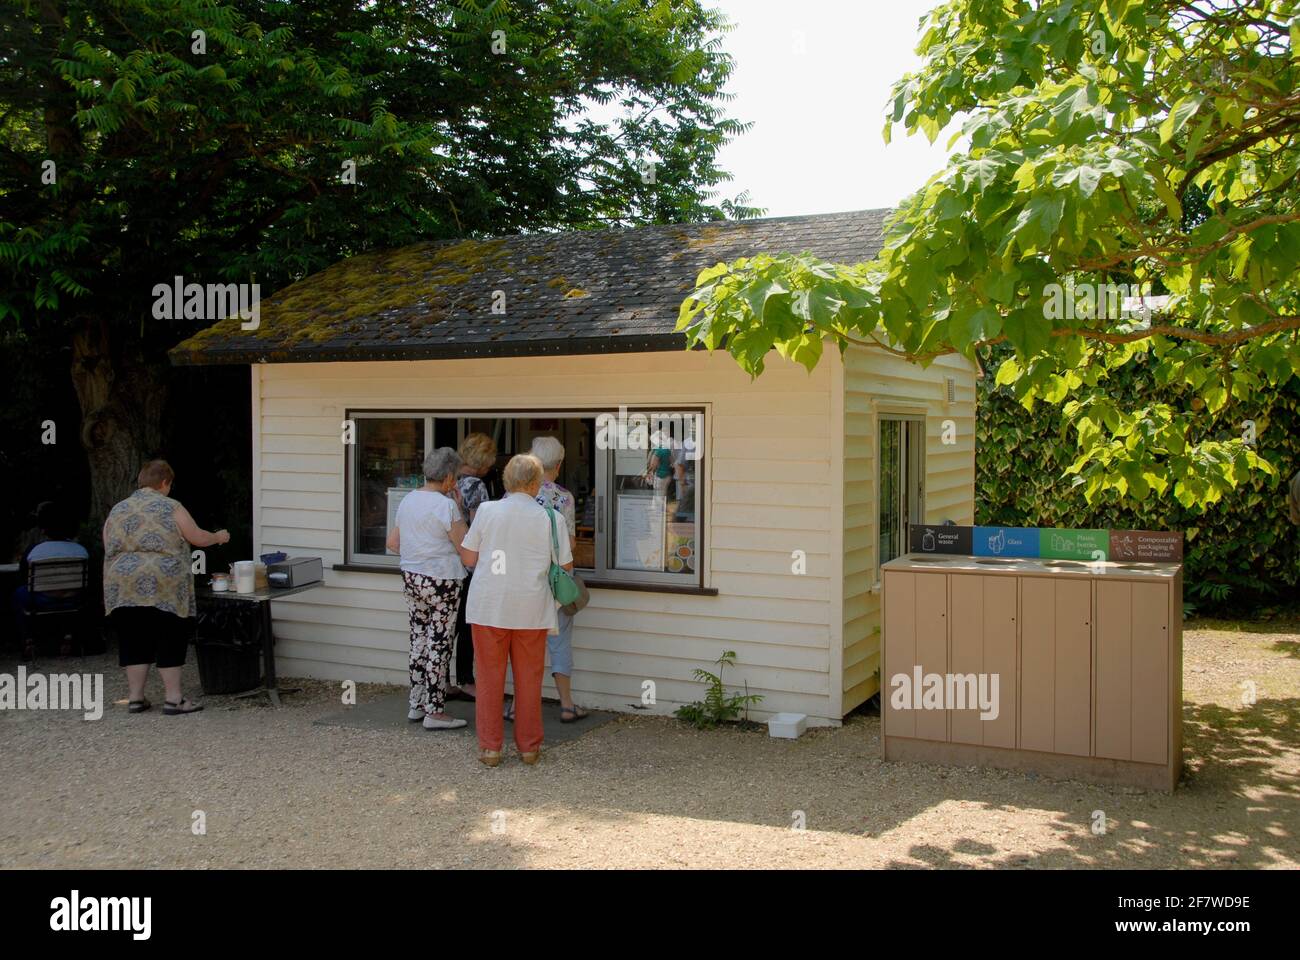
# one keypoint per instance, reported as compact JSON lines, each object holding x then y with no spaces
{"x":630,"y":463}
{"x":395,"y":497}
{"x":639,"y":537}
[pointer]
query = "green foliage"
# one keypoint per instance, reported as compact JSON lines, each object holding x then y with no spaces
{"x":717,"y":707}
{"x":229,"y":163}
{"x":1153,"y":144}
{"x":1244,"y":549}
{"x":462,"y":119}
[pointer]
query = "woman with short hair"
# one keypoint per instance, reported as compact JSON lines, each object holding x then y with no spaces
{"x":426,"y":531}
{"x":511,"y":608}
{"x":479,"y":453}
{"x":559,"y":645}
{"x":148,"y":586}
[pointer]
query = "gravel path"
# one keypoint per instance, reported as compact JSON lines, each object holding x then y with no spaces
{"x":277,"y":791}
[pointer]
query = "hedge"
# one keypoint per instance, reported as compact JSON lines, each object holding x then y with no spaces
{"x":1244,"y":550}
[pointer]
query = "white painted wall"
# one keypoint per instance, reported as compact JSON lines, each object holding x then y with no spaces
{"x":769,"y":490}
{"x":876,"y":382}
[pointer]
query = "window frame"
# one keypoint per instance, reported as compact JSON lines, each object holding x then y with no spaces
{"x":607,"y":516}
{"x":604,"y":572}
{"x":351,"y":556}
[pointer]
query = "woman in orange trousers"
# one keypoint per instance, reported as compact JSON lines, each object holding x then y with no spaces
{"x":510,"y":607}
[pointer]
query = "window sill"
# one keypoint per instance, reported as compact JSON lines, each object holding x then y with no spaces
{"x":593,"y":584}
{"x":366,"y":568}
{"x":649,"y":587}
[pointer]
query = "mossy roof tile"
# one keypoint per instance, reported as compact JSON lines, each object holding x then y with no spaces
{"x":581,"y":292}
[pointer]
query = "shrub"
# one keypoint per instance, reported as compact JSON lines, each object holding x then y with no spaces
{"x":1242,"y":550}
{"x":717,"y":707}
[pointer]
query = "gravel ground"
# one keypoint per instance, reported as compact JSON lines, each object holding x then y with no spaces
{"x":277,"y":791}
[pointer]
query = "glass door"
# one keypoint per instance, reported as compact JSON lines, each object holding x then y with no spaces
{"x":900,"y":483}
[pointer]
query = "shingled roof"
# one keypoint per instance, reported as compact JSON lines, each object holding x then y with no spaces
{"x":599,"y":291}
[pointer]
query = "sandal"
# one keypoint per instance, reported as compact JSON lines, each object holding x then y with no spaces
{"x":138,"y":706}
{"x":489,"y":758}
{"x":572,"y":714}
{"x":185,"y":706}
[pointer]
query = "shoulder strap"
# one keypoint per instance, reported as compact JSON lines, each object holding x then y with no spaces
{"x":555,"y":540}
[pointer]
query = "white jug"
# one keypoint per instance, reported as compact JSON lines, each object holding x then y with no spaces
{"x":245,"y":580}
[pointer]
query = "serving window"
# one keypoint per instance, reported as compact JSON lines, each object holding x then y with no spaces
{"x":635,"y":476}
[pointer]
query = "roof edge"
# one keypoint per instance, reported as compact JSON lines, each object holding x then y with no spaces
{"x":342,"y":353}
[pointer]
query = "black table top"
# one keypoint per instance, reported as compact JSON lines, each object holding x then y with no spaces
{"x":257,"y":596}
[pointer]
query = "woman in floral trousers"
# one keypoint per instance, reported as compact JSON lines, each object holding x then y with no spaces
{"x":429,"y":525}
{"x":433,"y":605}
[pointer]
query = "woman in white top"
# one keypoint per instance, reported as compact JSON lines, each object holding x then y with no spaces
{"x":511,"y":608}
{"x":427,"y":529}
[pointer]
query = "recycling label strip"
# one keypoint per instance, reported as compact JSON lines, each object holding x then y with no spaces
{"x":1054,"y":543}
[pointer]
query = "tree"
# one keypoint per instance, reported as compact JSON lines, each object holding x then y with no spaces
{"x":1113,"y":150}
{"x":261,"y":141}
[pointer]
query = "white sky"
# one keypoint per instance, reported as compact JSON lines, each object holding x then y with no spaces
{"x":816,"y":144}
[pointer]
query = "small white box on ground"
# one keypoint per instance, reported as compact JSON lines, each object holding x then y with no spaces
{"x":788,"y":726}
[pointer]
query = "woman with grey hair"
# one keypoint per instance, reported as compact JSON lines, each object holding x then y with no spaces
{"x":428,"y":527}
{"x":559,"y":645}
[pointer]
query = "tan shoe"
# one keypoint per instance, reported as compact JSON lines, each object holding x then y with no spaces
{"x":530,"y":757}
{"x":489,"y":758}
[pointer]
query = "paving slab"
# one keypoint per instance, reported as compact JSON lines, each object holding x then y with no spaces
{"x":389,"y":713}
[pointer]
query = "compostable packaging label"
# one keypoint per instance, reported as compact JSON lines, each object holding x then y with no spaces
{"x":1153,"y":546}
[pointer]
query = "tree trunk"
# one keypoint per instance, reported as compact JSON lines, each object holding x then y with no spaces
{"x":121,"y":401}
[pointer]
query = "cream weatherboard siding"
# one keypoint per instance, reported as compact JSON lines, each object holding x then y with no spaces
{"x":877,"y":383}
{"x":772,"y":478}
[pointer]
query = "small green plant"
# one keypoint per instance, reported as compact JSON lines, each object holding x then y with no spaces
{"x":717,"y":707}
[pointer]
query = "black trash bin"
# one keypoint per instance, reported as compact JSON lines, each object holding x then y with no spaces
{"x":228,"y":647}
{"x":227,"y":668}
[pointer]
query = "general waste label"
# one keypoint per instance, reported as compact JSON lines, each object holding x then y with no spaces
{"x":1057,"y":544}
{"x":1006,"y":541}
{"x":941,"y":538}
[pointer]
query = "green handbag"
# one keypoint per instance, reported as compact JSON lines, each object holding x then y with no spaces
{"x":563,"y":587}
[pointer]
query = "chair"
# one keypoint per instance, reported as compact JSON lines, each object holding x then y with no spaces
{"x":57,"y":595}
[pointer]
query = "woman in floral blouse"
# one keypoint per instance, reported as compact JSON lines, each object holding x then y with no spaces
{"x":148,"y":586}
{"x":559,"y":645}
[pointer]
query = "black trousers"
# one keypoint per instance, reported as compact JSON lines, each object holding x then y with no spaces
{"x":464,"y":640}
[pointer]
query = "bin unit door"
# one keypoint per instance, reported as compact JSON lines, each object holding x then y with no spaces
{"x":1056,"y":665}
{"x":1132,"y":667}
{"x":916,"y":635}
{"x":982,"y":645}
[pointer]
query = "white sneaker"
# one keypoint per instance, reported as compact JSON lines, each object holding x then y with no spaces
{"x":432,"y":723}
{"x":415,"y":713}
